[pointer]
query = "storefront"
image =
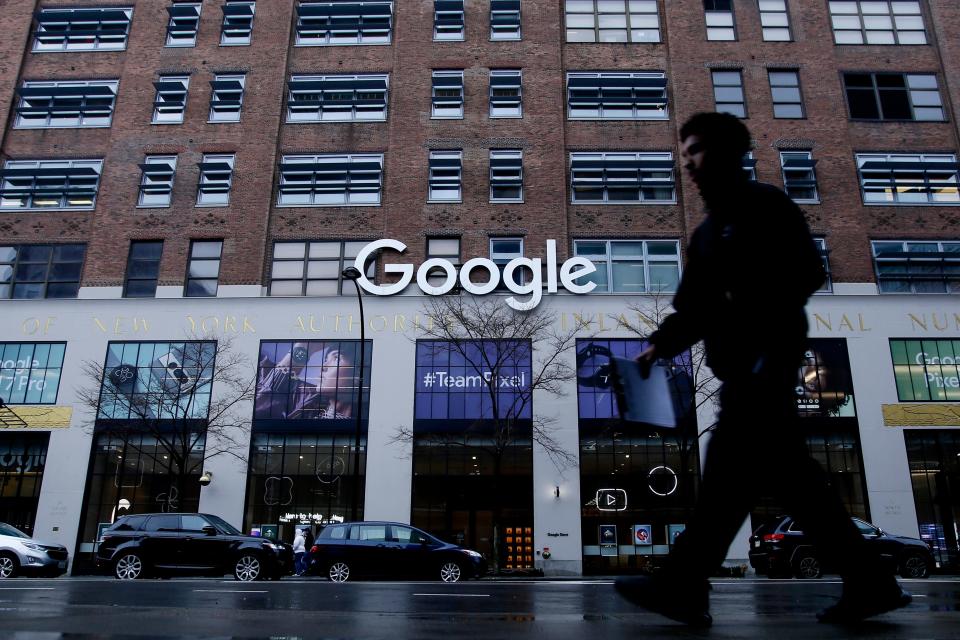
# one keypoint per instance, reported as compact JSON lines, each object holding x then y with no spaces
{"x":23,"y":458}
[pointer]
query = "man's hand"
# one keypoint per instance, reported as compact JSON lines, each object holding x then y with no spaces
{"x":646,"y":359}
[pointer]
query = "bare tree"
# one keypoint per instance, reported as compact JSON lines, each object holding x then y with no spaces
{"x":492,"y":339}
{"x":192,"y":398}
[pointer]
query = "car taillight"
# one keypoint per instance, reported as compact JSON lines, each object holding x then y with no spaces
{"x":773,"y":537}
{"x":314,"y":549}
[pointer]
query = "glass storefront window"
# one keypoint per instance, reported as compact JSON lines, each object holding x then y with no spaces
{"x":30,"y":372}
{"x":824,"y":387}
{"x":934,"y":457}
{"x":23,"y":457}
{"x":926,"y":370}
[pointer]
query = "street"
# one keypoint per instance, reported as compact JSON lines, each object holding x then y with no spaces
{"x":555,"y":609}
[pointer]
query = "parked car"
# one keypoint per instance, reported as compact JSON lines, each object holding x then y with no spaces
{"x":781,"y":549}
{"x":165,"y":544}
{"x":353,"y":549}
{"x":22,"y":555}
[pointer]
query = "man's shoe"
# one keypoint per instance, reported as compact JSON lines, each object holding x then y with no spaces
{"x":684,"y":603}
{"x":864,"y":604}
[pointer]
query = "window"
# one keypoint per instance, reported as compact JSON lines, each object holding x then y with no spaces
{"x":314,"y":268}
{"x":30,"y":371}
{"x":82,"y":103}
{"x":447,"y":94}
{"x":156,"y":181}
{"x":750,"y":166}
{"x":446,"y":176}
{"x":193,"y":523}
{"x":50,"y":184}
{"x":877,"y":22}
{"x":612,"y":21}
{"x":825,"y":257}
{"x":344,"y":22}
{"x":168,"y":523}
{"x":216,"y":179}
{"x":203,"y":269}
{"x":506,"y":175}
{"x":719,"y":17}
{"x":446,"y":248}
{"x":184,"y":23}
{"x":622,"y":177}
{"x":237,"y":25}
{"x":617,"y":96}
{"x":785,"y":90}
{"x":917,"y":267}
{"x":330,"y":179}
{"x":143,"y":269}
{"x":82,"y":29}
{"x":171,"y":100}
{"x":226,"y":98}
{"x":799,"y":176}
{"x":506,"y":94}
{"x":728,"y":92}
{"x":504,"y":19}
{"x":926,"y":370}
{"x":903,"y":178}
{"x":893,"y":96}
{"x":41,"y":270}
{"x":775,"y":21}
{"x":337,"y":98}
{"x":448,"y":22}
{"x":502,"y":251}
{"x":631,"y":266}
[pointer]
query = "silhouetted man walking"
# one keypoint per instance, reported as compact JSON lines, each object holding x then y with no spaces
{"x":751,"y":266}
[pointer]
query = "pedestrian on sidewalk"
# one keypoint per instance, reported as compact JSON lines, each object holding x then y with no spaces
{"x":299,"y":549}
{"x":751,"y":266}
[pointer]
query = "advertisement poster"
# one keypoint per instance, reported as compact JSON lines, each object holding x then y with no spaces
{"x":824,"y":386}
{"x":926,"y":370}
{"x":608,"y":539}
{"x":311,"y":380}
{"x":674,"y":530}
{"x":468,"y":381}
{"x":30,"y":372}
{"x":643,"y":534}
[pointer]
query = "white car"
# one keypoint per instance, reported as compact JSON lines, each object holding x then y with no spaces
{"x":21,"y":555}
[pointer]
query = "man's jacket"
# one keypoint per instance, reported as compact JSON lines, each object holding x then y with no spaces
{"x":751,"y":266}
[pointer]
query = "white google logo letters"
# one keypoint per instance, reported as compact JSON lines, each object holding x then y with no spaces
{"x":568,"y":272}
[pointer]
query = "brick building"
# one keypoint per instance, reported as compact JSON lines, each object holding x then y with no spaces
{"x":222,"y":161}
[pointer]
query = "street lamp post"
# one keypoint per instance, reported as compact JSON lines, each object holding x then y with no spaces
{"x":352,"y":273}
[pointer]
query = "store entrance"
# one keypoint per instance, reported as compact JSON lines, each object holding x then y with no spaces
{"x":22,"y":460}
{"x":934,"y":457}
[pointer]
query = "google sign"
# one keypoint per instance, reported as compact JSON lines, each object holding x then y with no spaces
{"x":567,"y":273}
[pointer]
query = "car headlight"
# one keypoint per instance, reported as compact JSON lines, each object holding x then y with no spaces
{"x":472,"y":554}
{"x":35,"y":547}
{"x":270,"y":545}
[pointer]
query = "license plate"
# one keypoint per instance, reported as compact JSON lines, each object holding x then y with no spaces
{"x":62,"y":564}
{"x":756,"y":544}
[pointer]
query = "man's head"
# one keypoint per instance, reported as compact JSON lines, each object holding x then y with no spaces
{"x":712,"y":146}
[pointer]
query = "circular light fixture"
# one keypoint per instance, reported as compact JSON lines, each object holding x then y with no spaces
{"x":662,"y":480}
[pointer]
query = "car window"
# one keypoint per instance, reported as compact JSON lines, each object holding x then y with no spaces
{"x":369,"y":532}
{"x":223,"y":525}
{"x":128,"y":523}
{"x":865,"y":529}
{"x":794,"y":527}
{"x":193,"y":523}
{"x":7,"y":530}
{"x":163,"y":523}
{"x":408,"y":535}
{"x":334,"y":533}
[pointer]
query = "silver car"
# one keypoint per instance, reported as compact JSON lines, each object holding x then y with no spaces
{"x":21,"y":555}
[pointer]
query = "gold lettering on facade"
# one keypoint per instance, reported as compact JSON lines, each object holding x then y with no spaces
{"x":230,"y":324}
{"x":336,"y":324}
{"x":118,"y":326}
{"x":622,"y":322}
{"x":140,"y":322}
{"x":30,"y":326}
{"x":936,"y":323}
{"x":248,"y":326}
{"x":383,"y":327}
{"x":823,"y":322}
{"x":862,"y":322}
{"x":100,"y":325}
{"x":845,"y":323}
{"x":917,"y":322}
{"x":581,"y":322}
{"x":399,"y":323}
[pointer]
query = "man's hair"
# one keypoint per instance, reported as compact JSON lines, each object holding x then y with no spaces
{"x":719,"y":132}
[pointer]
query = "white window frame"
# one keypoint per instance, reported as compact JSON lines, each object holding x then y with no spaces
{"x":338,"y":113}
{"x":329,"y":39}
{"x":187,"y":41}
{"x":500,"y":8}
{"x":786,"y":95}
{"x":750,"y":165}
{"x":64,"y":201}
{"x":897,"y":190}
{"x":506,"y":111}
{"x":856,"y":22}
{"x":147,"y":184}
{"x":226,"y":114}
{"x":810,"y":174}
{"x":81,"y":43}
{"x":162,"y":116}
{"x":951,"y":285}
{"x":501,"y":258}
{"x":196,"y":261}
{"x":446,"y":8}
{"x":442,"y":247}
{"x":510,"y":180}
{"x":603,"y":181}
{"x":920,"y":89}
{"x":311,"y":255}
{"x":445,"y":179}
{"x":724,"y":105}
{"x":721,"y":24}
{"x":220,"y":197}
{"x":775,"y":21}
{"x":605,"y":262}
{"x":81,"y":121}
{"x":446,"y":113}
{"x":227,"y":40}
{"x":640,"y":22}
{"x":605,"y":112}
{"x":347,"y":198}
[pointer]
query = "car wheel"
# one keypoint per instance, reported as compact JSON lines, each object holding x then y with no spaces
{"x":339,"y":572}
{"x":9,"y":566}
{"x":915,"y":566}
{"x":450,"y":572}
{"x":247,"y":568}
{"x":807,"y":566}
{"x":129,"y":566}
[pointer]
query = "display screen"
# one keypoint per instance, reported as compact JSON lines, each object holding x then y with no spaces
{"x":311,"y":380}
{"x":824,"y":386}
{"x":30,"y":372}
{"x":926,"y":369}
{"x":473,"y":380}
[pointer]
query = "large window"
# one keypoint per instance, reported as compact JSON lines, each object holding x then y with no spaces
{"x":330,"y":179}
{"x":908,"y":178}
{"x":311,"y":380}
{"x":143,"y":269}
{"x":156,"y":181}
{"x":30,"y":371}
{"x":728,"y":93}
{"x":877,"y":22}
{"x":226,"y":98}
{"x":934,"y":457}
{"x":785,"y":91}
{"x":314,"y":268}
{"x":237,"y":28}
{"x":445,"y":177}
{"x":926,"y":370}
{"x":502,"y":251}
{"x":719,"y":18}
{"x":41,"y":270}
{"x":506,"y":94}
{"x":824,"y":385}
{"x":344,"y":22}
{"x":203,"y":268}
{"x":171,"y":99}
{"x":506,"y":175}
{"x":448,"y":20}
{"x":23,"y":458}
{"x":617,"y":96}
{"x":893,"y":96}
{"x":63,"y":29}
{"x":216,"y":180}
{"x":314,"y":98}
{"x":50,"y":184}
{"x":618,"y":178}
{"x":447,"y":248}
{"x":504,"y":19}
{"x":66,"y":103}
{"x":447,"y":94}
{"x":775,"y":20}
{"x":183,"y":24}
{"x":917,"y":267}
{"x":631,"y":266}
{"x":799,"y":175}
{"x":612,"y":21}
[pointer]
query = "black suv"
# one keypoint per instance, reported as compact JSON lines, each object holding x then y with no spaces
{"x":353,"y":549}
{"x":164,"y":544}
{"x":780,"y":549}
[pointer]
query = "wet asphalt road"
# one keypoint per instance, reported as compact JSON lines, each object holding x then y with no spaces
{"x":556,"y":610}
